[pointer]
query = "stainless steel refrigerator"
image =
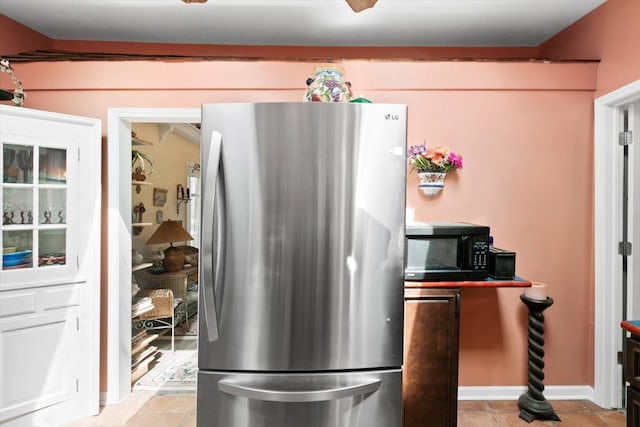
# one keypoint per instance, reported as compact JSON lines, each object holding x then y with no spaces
{"x":301,"y":270}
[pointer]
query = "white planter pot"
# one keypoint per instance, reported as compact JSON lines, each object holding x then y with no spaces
{"x":431,"y":182}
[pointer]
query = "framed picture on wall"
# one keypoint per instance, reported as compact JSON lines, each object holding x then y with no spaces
{"x":159,"y":197}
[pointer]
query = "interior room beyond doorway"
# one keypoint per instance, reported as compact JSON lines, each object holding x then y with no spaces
{"x":165,"y":165}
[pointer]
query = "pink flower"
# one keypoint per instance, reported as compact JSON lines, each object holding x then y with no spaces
{"x":455,"y":160}
{"x":436,"y":155}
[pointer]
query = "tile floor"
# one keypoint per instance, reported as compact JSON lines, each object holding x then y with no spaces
{"x":178,"y":409}
{"x":504,"y":413}
{"x":171,"y":409}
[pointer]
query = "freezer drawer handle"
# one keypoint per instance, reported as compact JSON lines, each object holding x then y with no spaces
{"x":368,"y":386}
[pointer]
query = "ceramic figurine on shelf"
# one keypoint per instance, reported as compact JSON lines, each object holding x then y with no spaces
{"x":137,"y":175}
{"x":47,"y":216}
{"x":136,"y":257}
{"x":138,"y":210}
{"x":7,"y":216}
{"x":156,"y":258}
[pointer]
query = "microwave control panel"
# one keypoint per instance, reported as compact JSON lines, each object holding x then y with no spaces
{"x":479,"y":251}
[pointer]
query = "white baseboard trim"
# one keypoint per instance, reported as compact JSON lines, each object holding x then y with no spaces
{"x":554,"y":392}
{"x":557,"y":392}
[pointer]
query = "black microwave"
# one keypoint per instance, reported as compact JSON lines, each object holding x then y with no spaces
{"x":446,"y":251}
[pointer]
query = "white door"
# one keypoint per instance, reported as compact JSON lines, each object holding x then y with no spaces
{"x":50,"y":274}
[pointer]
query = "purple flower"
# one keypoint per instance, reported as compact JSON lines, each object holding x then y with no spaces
{"x":455,"y":160}
{"x":416,"y":150}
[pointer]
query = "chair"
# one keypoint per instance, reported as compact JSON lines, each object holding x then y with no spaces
{"x":190,"y":254}
{"x":162,"y":315}
{"x":179,"y":282}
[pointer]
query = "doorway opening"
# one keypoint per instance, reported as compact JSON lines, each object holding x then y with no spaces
{"x":608,"y":234}
{"x":164,"y":172}
{"x":120,"y":234}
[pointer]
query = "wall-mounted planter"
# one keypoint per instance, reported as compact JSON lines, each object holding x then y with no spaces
{"x":431,"y":182}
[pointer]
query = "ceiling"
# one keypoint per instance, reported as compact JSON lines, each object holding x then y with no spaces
{"x":443,"y":23}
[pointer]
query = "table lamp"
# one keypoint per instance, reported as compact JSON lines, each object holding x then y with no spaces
{"x":169,"y":232}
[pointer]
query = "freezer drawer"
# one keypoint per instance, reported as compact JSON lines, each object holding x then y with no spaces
{"x":354,"y":399}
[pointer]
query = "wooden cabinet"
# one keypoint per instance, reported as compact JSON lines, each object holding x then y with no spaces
{"x":633,"y":407}
{"x":632,"y":376}
{"x":430,"y":379}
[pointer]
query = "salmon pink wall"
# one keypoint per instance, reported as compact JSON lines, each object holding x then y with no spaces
{"x":610,"y":34}
{"x":524,"y":129}
{"x":16,"y":38}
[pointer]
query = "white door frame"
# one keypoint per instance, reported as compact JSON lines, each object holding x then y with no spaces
{"x":633,"y":263}
{"x":119,"y":122}
{"x":607,"y":234}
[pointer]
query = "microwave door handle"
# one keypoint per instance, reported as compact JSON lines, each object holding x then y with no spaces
{"x":206,"y":269}
{"x":463,"y":243}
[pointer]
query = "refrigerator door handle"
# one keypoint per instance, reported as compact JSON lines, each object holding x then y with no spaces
{"x":206,"y":271}
{"x":365,"y":387}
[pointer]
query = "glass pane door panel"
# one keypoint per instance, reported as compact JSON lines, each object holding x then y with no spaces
{"x":52,"y":206}
{"x":39,"y":197}
{"x":53,"y":166}
{"x":52,"y":249}
{"x":17,"y":164}
{"x":17,"y":249}
{"x":17,"y":206}
{"x":10,"y":171}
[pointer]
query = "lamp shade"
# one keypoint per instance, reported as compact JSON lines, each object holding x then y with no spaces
{"x":169,"y":232}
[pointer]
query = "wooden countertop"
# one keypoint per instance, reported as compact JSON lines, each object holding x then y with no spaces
{"x":516,"y":282}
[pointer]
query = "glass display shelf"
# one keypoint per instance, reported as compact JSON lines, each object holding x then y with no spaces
{"x":34,"y":208}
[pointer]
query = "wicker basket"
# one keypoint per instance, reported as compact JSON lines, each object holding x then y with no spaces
{"x":176,"y":281}
{"x":162,"y":300}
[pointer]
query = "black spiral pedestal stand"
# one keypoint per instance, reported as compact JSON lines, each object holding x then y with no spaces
{"x":533,"y":404}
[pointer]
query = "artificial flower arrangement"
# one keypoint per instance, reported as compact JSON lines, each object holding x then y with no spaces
{"x":432,"y":165}
{"x":434,"y":159}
